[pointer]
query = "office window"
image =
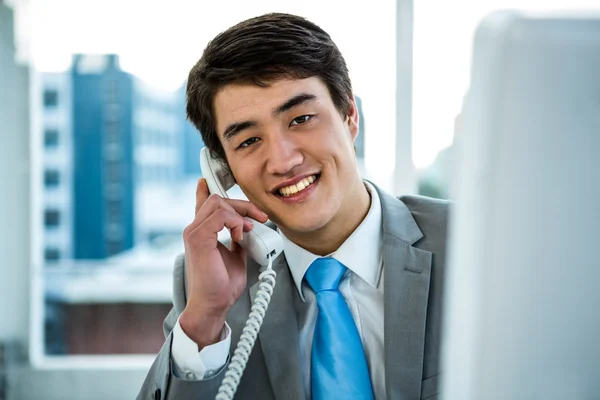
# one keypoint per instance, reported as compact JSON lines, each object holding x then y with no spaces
{"x":113,"y":172}
{"x":114,"y":247}
{"x":50,"y":98}
{"x":51,"y":218}
{"x":51,"y":178}
{"x":113,"y":231}
{"x":109,"y":214}
{"x":52,"y":254}
{"x":113,"y":151}
{"x":112,"y":112}
{"x":114,"y":211}
{"x":51,"y":138}
{"x":112,"y":91}
{"x":113,"y":191}
{"x":113,"y":132}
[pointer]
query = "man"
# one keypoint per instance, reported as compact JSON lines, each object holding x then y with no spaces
{"x":356,"y":310}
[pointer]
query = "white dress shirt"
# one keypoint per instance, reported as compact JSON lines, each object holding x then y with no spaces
{"x":361,"y":286}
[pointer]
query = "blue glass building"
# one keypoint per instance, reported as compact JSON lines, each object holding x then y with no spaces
{"x":103,"y":163}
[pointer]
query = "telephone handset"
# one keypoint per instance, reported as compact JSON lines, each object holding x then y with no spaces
{"x":263,"y":245}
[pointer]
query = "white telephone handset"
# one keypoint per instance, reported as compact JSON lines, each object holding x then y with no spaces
{"x":263,"y":244}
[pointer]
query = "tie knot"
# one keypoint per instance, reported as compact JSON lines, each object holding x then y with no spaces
{"x":324,"y":274}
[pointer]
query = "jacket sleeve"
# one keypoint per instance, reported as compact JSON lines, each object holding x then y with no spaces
{"x":161,"y":383}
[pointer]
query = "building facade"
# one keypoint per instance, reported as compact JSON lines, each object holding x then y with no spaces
{"x":103,"y":144}
{"x":117,"y":152}
{"x":57,"y":161}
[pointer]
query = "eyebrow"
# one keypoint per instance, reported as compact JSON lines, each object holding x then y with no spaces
{"x":237,"y":127}
{"x":295,"y":101}
{"x":233,"y":129}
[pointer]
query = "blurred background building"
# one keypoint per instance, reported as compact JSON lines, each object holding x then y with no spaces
{"x":112,"y":145}
{"x":57,"y":137}
{"x":120,"y":164}
{"x":103,"y":143}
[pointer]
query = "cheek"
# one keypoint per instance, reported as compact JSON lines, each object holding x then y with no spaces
{"x":329,"y":140}
{"x":337,"y":145}
{"x":338,"y":136}
{"x":247,"y":177}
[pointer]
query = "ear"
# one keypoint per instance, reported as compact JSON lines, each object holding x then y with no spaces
{"x":352,"y":119}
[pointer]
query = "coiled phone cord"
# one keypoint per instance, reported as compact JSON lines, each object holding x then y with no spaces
{"x":249,"y":333}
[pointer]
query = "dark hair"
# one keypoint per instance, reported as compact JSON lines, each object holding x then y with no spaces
{"x":261,"y":50}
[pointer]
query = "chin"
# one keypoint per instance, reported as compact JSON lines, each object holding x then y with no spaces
{"x":304,"y":223}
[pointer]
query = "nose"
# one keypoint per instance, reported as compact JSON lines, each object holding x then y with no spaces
{"x":283,"y":154}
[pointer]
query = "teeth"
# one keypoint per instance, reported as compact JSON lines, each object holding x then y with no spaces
{"x":293,"y":189}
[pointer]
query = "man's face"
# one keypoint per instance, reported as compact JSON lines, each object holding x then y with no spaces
{"x":290,"y":150}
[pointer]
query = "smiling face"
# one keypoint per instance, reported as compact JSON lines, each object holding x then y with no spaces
{"x":291,"y":151}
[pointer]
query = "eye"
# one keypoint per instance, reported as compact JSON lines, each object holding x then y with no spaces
{"x":248,"y":142}
{"x":301,"y":120}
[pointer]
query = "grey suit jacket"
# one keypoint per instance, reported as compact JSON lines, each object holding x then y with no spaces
{"x":414,"y":234}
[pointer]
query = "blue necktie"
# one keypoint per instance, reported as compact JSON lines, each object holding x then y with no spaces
{"x":338,"y":364}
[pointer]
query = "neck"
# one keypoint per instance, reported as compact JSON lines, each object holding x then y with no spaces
{"x":330,"y":237}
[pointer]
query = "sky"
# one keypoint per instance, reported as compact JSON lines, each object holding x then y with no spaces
{"x":159,"y":41}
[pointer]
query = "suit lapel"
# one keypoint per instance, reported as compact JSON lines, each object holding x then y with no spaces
{"x":279,"y":336}
{"x":407,"y":272}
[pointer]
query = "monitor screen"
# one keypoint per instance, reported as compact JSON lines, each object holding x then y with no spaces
{"x":522,"y":317}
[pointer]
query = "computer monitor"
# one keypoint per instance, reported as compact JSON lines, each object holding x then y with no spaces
{"x":522,"y":317}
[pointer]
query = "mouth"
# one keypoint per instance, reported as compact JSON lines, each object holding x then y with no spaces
{"x":297,"y":188}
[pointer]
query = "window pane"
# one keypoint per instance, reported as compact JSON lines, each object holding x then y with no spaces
{"x":51,"y":138}
{"x":50,"y":98}
{"x":51,"y":178}
{"x":51,"y":218}
{"x":51,"y":254}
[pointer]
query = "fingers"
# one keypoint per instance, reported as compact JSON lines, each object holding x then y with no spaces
{"x":215,"y":203}
{"x":205,"y":235}
{"x":248,"y":209}
{"x":223,"y":218}
{"x":213,"y":213}
{"x":201,"y":194}
{"x":242,"y":207}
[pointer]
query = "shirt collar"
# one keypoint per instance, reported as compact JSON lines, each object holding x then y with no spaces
{"x":361,"y":252}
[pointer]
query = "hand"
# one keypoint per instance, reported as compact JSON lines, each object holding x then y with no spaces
{"x":216,"y":275}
